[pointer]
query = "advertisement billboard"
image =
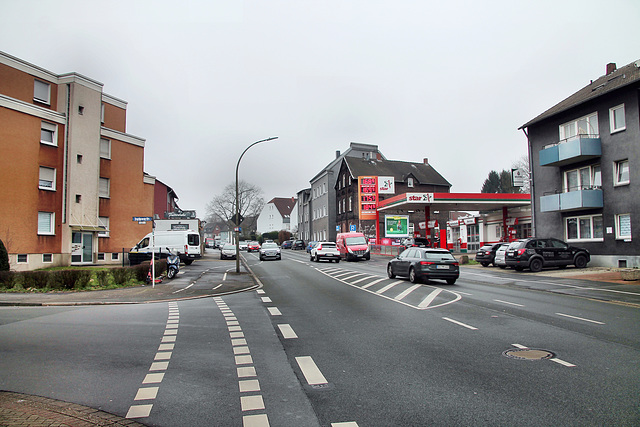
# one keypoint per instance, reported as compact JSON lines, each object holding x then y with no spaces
{"x":386,"y":185}
{"x":396,"y":226}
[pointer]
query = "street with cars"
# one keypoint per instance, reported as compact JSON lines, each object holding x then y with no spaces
{"x":337,"y":344}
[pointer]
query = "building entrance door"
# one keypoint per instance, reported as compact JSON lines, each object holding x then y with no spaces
{"x":473,"y":238}
{"x":81,"y":248}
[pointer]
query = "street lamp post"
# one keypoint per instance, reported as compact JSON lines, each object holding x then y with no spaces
{"x":237,"y":217}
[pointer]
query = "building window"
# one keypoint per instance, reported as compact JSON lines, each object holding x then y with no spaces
{"x":586,"y":178}
{"x":103,"y":221}
{"x":47,"y":258}
{"x":623,"y":226}
{"x":102,"y":113}
{"x":104,"y":188}
{"x":616,"y":119}
{"x":47,"y":180}
{"x":115,"y":256}
{"x":45,"y":223}
{"x":350,"y":203}
{"x":48,"y":133}
{"x":23,"y":258}
{"x":584,"y":228}
{"x":100,"y":256}
{"x":79,"y":159}
{"x":621,"y":171}
{"x":587,"y":125}
{"x":41,"y":92}
{"x":105,"y":148}
{"x":410,"y":182}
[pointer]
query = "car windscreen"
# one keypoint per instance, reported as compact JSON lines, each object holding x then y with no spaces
{"x":328,"y":245}
{"x":355,"y":240}
{"x":229,"y":246}
{"x":438,"y":256}
{"x":517,"y":245}
{"x":269,"y":245}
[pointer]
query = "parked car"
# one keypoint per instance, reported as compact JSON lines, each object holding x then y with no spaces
{"x":353,"y":246}
{"x":424,"y":264}
{"x":243,"y":245}
{"x":537,"y":253}
{"x":270,"y":250}
{"x":228,"y":251}
{"x":311,"y":245}
{"x":185,"y":243}
{"x":499,"y":260}
{"x":325,"y":250}
{"x":287,"y":244}
{"x":487,"y":254}
{"x":209,"y":242}
{"x":298,"y":245}
{"x":253,"y":246}
{"x":420,"y":242}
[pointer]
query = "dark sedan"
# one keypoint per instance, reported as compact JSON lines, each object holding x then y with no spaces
{"x":487,"y":254}
{"x":424,"y":264}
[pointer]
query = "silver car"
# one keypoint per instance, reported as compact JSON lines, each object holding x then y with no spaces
{"x":228,"y":251}
{"x":270,"y":250}
{"x":499,"y":259}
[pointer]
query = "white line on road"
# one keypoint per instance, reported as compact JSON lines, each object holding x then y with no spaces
{"x":562,"y":362}
{"x":362,"y":279}
{"x":581,"y":318}
{"x":310,"y":370}
{"x":287,"y":331}
{"x":368,"y":285}
{"x":265,"y":299}
{"x":507,"y":302}
{"x":184,"y":289}
{"x":429,"y":299}
{"x":407,"y":292}
{"x":389,"y":286}
{"x":460,"y":323}
{"x":274,"y":311}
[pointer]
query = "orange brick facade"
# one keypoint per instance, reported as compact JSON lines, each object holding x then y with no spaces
{"x":71,"y":178}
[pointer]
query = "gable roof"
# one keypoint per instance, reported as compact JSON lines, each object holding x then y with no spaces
{"x":424,"y":173}
{"x":284,"y":205}
{"x":621,"y":77}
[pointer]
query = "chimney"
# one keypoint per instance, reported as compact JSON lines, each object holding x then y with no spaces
{"x":426,"y":161}
{"x":337,"y":154}
{"x":611,"y":67}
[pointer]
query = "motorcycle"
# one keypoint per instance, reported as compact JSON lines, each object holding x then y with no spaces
{"x":173,"y":264}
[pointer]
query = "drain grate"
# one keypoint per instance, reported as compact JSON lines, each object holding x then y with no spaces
{"x":528,"y":354}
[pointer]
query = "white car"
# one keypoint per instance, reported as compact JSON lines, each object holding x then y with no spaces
{"x":499,"y":259}
{"x":244,"y":245}
{"x":228,"y":251}
{"x":270,"y":250}
{"x":325,"y":250}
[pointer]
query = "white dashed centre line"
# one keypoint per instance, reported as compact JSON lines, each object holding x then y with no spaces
{"x":310,"y":370}
{"x":507,"y":302}
{"x":460,"y":323}
{"x":581,"y":318}
{"x":287,"y":331}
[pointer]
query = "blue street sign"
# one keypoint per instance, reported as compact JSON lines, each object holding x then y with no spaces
{"x":142,"y":218}
{"x":352,"y":227}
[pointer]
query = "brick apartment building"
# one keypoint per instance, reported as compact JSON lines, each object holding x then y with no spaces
{"x":71,"y":178}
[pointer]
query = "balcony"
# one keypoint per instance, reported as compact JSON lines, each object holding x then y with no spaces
{"x":572,"y":150}
{"x":586,"y":198}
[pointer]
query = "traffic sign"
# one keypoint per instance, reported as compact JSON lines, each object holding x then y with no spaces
{"x":142,"y":218}
{"x":352,"y":227}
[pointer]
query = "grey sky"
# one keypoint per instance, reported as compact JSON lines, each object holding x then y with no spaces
{"x":451,"y":81}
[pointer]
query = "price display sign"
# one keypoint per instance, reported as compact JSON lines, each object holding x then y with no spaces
{"x":368,"y":196}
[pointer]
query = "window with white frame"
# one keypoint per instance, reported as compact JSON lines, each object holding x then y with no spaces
{"x":45,"y":223}
{"x":47,"y":179}
{"x":585,"y":178}
{"x":48,"y":133}
{"x":104,"y":188}
{"x":103,"y":221}
{"x":350,"y":203}
{"x":617,"y":121}
{"x":105,"y":148}
{"x":587,"y":227}
{"x":623,"y":226}
{"x":47,"y":258}
{"x":41,"y":91}
{"x":23,"y":258}
{"x":587,"y":126}
{"x":621,"y":171}
{"x":409,"y":182}
{"x":102,"y":113}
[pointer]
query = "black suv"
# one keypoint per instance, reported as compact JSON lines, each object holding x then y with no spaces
{"x":487,"y":254}
{"x":536,"y":253}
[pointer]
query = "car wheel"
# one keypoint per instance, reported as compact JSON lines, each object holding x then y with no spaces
{"x":502,"y":266}
{"x":338,"y":260}
{"x":317,"y":259}
{"x":188,"y":262}
{"x":413,"y":278}
{"x":485,"y":264}
{"x":535,"y":265}
{"x":390,"y":272}
{"x":518,"y":268}
{"x":451,"y":281}
{"x":581,"y":261}
{"x":310,"y":257}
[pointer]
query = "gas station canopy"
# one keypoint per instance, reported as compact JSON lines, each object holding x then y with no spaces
{"x":454,"y":201}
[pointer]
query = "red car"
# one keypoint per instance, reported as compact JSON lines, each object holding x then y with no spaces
{"x":253,"y":246}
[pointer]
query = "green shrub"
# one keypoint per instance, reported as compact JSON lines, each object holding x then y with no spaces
{"x":102,"y":276}
{"x":69,"y":279}
{"x":140,"y":272}
{"x":83,"y":278}
{"x":35,"y":279}
{"x":6,"y":279}
{"x":121,"y":275}
{"x":4,"y":258}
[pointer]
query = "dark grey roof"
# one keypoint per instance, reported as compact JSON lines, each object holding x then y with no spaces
{"x":424,"y":173}
{"x":623,"y":76}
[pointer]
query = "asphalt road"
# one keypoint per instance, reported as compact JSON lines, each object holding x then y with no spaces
{"x":339,"y":345}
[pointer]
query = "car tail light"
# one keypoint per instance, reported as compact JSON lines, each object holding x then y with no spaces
{"x":426,"y":263}
{"x":186,"y":249}
{"x":319,"y":247}
{"x":456,"y":264}
{"x":521,"y":251}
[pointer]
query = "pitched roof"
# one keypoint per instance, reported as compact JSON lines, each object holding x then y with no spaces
{"x":621,"y":77}
{"x":284,"y":205}
{"x":424,"y":173}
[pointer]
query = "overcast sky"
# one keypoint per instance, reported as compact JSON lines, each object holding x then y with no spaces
{"x":451,"y":81}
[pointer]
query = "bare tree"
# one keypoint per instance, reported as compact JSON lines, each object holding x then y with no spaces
{"x":523,"y":164}
{"x":250,"y":202}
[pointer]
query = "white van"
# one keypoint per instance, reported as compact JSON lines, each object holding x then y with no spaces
{"x":185,"y":243}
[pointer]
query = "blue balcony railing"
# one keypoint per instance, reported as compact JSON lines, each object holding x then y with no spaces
{"x":586,"y":198}
{"x":572,"y":150}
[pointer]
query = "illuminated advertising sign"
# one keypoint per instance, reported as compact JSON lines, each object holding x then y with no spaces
{"x":386,"y":185}
{"x":396,"y":226}
{"x":367,"y":196}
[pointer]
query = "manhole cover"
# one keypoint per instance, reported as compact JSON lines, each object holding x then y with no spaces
{"x":528,"y":354}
